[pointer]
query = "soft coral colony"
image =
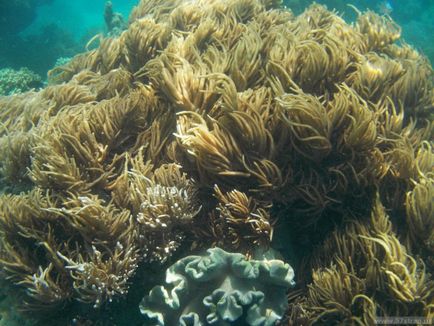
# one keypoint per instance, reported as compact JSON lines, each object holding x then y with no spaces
{"x":233,"y":125}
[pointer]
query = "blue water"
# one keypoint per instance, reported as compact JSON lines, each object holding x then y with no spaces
{"x":78,"y":16}
{"x":50,"y":29}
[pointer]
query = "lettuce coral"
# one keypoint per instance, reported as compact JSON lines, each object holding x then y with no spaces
{"x":220,"y":288}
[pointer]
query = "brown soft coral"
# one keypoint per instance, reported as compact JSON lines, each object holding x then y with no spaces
{"x":229,"y":123}
{"x":368,"y":274}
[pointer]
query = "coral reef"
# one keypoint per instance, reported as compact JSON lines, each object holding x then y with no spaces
{"x":224,"y":123}
{"x":415,"y":17}
{"x":18,"y":81}
{"x":370,"y":275}
{"x":220,"y":288}
{"x":113,"y":20}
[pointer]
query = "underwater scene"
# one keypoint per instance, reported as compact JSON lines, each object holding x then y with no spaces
{"x":216,"y":162}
